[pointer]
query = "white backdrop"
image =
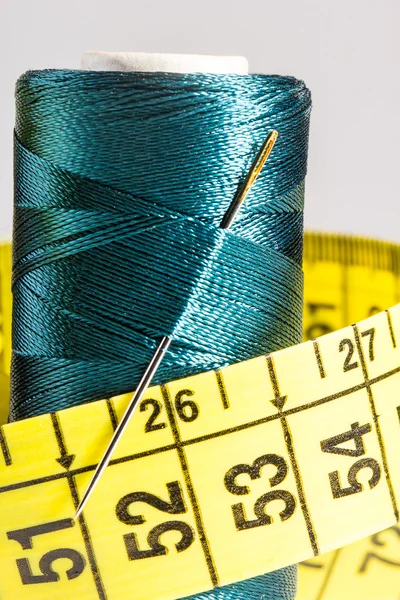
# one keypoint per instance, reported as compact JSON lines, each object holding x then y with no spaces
{"x":347,"y":51}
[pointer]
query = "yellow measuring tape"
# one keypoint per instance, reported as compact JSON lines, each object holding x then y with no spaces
{"x":230,"y":474}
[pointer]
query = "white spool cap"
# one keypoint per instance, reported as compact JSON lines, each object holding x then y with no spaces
{"x":170,"y":63}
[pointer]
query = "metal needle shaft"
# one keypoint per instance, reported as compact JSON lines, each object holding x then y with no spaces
{"x":144,"y":383}
{"x":142,"y":387}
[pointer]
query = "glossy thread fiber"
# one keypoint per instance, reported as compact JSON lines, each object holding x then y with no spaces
{"x":121,"y":181}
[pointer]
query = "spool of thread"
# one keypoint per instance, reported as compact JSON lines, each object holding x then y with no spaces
{"x":70,"y":203}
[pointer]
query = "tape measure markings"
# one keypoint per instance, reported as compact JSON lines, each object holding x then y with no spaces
{"x":375,"y":539}
{"x":367,"y":383}
{"x":65,"y":460}
{"x":367,"y":569}
{"x":222,"y":390}
{"x":318,"y":358}
{"x":329,"y":574}
{"x":183,"y":443}
{"x":190,"y":488}
{"x":202,"y":463}
{"x":275,"y":399}
{"x":374,"y":413}
{"x":279,"y":402}
{"x":390,"y":324}
{"x":112,"y":413}
{"x":4,"y":448}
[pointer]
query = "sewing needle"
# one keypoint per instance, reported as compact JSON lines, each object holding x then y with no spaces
{"x":163,"y":346}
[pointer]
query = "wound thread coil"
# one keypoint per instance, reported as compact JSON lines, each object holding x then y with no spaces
{"x":103,"y":268}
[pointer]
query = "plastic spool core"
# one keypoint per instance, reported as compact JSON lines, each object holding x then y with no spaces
{"x":169,"y":63}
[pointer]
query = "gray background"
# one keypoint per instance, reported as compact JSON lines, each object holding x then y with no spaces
{"x":347,"y":51}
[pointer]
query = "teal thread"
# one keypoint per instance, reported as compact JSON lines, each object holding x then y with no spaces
{"x":121,"y":181}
